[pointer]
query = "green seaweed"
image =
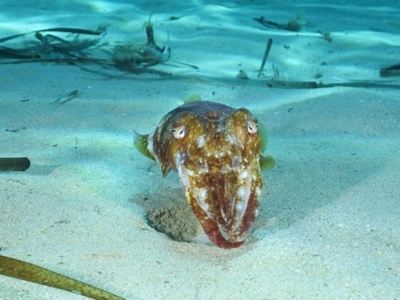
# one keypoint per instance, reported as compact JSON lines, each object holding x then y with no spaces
{"x":26,"y":271}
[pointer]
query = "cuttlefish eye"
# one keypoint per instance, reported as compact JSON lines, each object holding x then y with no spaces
{"x":252,"y":127}
{"x":179,"y":132}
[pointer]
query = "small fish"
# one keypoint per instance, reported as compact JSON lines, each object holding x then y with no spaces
{"x":216,"y":151}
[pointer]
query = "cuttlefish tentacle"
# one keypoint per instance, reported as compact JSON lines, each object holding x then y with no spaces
{"x":216,"y":151}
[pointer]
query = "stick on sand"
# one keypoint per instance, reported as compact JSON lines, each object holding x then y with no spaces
{"x":269,"y":44}
{"x":14,"y":163}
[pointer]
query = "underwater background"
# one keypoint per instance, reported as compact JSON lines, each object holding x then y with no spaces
{"x":77,"y":78}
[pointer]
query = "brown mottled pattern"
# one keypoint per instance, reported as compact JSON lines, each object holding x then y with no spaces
{"x":216,"y":153}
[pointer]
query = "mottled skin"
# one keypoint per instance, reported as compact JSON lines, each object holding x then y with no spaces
{"x":216,"y":151}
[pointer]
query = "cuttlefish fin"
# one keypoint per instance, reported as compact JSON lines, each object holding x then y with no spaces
{"x":266,"y":162}
{"x":141,"y":142}
{"x":192,"y":98}
{"x":262,"y":133}
{"x":26,"y":271}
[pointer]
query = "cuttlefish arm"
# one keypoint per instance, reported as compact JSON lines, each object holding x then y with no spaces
{"x":216,"y":151}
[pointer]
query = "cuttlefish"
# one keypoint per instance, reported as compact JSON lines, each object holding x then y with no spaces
{"x":217,"y":152}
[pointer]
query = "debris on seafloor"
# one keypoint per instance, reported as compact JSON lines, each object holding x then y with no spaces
{"x":52,"y":47}
{"x":129,"y":56}
{"x":279,"y":84}
{"x":294,"y":24}
{"x":66,"y":98}
{"x":242,"y":75}
{"x":14,"y":163}
{"x":264,"y":59}
{"x":137,"y":58}
{"x":391,"y":71}
{"x":26,"y":271}
{"x":325,"y":35}
{"x":275,"y":70}
{"x":48,"y":47}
